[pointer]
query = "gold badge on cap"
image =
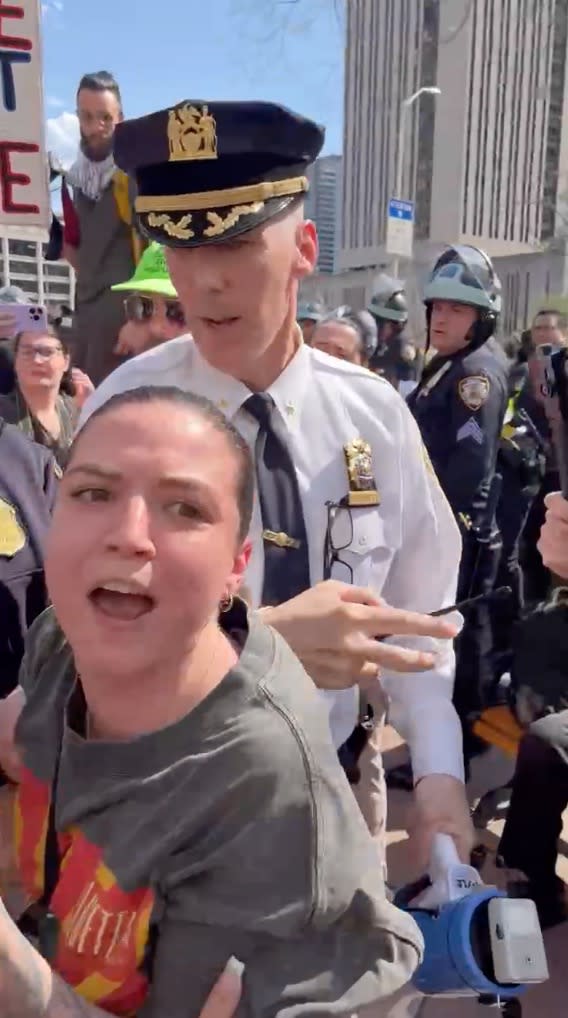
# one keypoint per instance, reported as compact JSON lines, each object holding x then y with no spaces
{"x":474,"y":391}
{"x":362,"y":485}
{"x":12,"y":535}
{"x":192,"y":133}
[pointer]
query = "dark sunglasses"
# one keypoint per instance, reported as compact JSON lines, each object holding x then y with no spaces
{"x":142,"y":309}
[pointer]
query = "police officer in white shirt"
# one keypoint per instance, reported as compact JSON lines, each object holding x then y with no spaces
{"x":346,"y":493}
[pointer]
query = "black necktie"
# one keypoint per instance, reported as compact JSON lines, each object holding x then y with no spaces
{"x":286,"y":560}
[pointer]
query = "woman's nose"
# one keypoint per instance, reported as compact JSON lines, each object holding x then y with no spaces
{"x":130,"y":530}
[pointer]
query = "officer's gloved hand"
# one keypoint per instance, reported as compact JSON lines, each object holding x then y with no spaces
{"x":553,"y":543}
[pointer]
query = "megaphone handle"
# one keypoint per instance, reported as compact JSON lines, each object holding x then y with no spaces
{"x":444,"y":854}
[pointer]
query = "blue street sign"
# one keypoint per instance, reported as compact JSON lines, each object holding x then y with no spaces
{"x":400,"y":227}
{"x":401,"y":209}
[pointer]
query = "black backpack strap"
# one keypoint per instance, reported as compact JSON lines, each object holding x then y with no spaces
{"x":51,"y":860}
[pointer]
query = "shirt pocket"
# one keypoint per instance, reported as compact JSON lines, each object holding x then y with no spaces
{"x":364,"y":546}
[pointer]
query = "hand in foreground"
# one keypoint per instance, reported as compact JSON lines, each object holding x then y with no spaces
{"x":553,"y":541}
{"x":440,"y":806}
{"x":10,"y":709}
{"x":224,"y":998}
{"x":83,"y":386}
{"x":133,"y":338}
{"x":333,"y":628}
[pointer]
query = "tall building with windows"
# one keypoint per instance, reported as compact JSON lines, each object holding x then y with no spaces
{"x":323,"y":205}
{"x":486,"y":161}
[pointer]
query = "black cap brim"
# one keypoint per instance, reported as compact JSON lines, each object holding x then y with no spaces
{"x":210,"y":226}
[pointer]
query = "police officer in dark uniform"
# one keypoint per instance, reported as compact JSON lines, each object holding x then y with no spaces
{"x":521,"y":463}
{"x":28,"y":480}
{"x":460,"y":405}
{"x":394,"y":357}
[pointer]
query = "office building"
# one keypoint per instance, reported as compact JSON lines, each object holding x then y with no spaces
{"x":486,"y":161}
{"x":22,"y":264}
{"x":323,"y":205}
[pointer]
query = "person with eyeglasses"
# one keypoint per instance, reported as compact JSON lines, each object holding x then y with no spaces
{"x":229,"y":210}
{"x":153,"y":312}
{"x":460,"y":405}
{"x":349,"y":335}
{"x":36,"y":404}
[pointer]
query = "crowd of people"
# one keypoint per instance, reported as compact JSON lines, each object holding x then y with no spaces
{"x":230,"y":552}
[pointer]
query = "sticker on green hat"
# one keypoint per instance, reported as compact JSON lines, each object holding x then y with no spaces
{"x":151,"y":274}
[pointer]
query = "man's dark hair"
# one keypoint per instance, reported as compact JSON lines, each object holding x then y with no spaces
{"x":100,"y":81}
{"x":209,"y":412}
{"x":561,"y":318}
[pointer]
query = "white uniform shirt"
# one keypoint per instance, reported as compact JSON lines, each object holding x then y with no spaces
{"x":407,"y":549}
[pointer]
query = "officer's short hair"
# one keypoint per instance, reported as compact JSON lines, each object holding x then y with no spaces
{"x":209,"y":412}
{"x":100,"y":81}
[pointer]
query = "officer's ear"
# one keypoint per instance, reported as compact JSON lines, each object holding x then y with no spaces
{"x":307,"y":248}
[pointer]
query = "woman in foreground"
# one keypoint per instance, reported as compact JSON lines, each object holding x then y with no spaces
{"x":177,"y":754}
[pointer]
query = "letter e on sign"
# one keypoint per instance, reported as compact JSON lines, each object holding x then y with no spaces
{"x":9,"y":178}
{"x":24,"y":177}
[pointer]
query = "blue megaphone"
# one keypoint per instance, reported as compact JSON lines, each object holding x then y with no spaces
{"x":477,"y":941}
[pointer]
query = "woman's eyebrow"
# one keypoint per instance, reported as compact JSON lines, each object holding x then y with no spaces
{"x":94,"y":470}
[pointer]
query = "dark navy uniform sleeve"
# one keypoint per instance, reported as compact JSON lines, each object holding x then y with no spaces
{"x":477,"y":409}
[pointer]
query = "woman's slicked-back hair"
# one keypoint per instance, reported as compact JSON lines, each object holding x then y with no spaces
{"x":202,"y":407}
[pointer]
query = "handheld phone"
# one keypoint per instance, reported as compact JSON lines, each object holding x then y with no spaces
{"x":25,"y":317}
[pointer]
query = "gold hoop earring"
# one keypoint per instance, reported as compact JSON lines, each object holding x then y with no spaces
{"x":226,"y":603}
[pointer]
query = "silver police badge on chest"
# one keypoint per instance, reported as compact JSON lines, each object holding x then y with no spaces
{"x":362,"y":486}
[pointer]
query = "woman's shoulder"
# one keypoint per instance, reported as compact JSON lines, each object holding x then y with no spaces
{"x":45,"y":644}
{"x":68,"y":406}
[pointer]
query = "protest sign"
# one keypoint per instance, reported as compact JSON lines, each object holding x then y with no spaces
{"x":24,"y":189}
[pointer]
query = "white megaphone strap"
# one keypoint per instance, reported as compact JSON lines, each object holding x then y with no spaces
{"x":451,"y":879}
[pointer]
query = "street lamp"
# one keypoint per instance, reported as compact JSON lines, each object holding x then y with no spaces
{"x":404,"y":107}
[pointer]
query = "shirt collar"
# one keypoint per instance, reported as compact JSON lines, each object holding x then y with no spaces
{"x":228,"y":393}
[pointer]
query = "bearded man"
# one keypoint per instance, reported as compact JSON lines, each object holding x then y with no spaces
{"x":99,"y":241}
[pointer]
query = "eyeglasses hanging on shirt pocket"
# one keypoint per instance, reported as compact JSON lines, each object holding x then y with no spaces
{"x":338,"y":538}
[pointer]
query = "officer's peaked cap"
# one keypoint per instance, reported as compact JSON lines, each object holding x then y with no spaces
{"x":209,"y":171}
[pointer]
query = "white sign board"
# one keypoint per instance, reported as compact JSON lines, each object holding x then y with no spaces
{"x":24,"y":187}
{"x":400,"y":228}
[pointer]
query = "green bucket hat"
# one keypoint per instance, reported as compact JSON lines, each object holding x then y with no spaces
{"x":151,"y":274}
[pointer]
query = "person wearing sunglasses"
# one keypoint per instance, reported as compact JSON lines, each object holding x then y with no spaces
{"x":153,"y":312}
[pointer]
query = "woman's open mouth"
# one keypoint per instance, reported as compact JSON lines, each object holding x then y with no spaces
{"x":120,"y":602}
